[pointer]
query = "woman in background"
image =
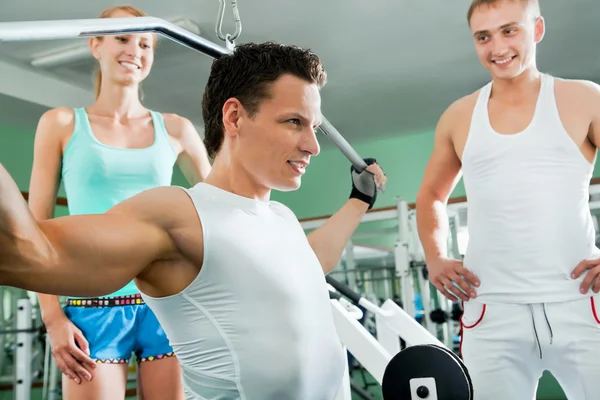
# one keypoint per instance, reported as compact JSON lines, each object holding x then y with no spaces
{"x":104,"y":154}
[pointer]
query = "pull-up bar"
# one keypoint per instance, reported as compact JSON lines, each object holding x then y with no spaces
{"x":80,"y":28}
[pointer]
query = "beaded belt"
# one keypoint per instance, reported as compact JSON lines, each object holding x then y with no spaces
{"x":131,"y":300}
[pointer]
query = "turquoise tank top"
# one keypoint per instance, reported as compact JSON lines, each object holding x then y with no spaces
{"x":96,"y":176}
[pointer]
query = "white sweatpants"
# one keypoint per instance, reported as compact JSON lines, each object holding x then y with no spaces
{"x":507,"y":347}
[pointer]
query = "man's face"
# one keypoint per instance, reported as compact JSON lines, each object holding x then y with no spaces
{"x":505,"y":35}
{"x":276,"y":145}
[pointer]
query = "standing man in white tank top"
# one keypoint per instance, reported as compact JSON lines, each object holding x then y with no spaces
{"x":526,"y":144}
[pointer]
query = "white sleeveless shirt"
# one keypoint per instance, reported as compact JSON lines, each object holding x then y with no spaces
{"x":528,"y":215}
{"x":256,"y":323}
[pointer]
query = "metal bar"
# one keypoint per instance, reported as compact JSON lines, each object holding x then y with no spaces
{"x":377,"y":215}
{"x":350,"y":265}
{"x":329,"y":130}
{"x":80,"y":28}
{"x":23,"y":352}
{"x":3,"y":295}
{"x":13,"y":331}
{"x":406,"y":326}
{"x":402,"y":257}
{"x":360,"y":343}
{"x":594,"y":205}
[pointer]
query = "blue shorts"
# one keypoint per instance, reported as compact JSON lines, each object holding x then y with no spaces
{"x":116,"y":327}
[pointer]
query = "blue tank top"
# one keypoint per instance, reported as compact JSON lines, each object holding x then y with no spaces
{"x":96,"y":176}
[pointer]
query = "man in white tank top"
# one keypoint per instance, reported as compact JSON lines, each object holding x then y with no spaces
{"x":233,"y":279}
{"x":526,"y":144}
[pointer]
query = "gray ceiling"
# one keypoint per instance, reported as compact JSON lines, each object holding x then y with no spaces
{"x":394,"y":65}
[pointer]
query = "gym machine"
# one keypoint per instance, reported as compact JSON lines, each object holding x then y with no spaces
{"x":18,"y":334}
{"x":424,"y":369}
{"x":439,"y":316}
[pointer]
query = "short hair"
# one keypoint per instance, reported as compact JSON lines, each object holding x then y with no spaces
{"x":247,"y":74}
{"x":475,"y":4}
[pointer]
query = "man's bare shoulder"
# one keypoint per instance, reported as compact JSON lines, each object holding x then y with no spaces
{"x":578,"y":90}
{"x":169,"y":207}
{"x":458,"y":114}
{"x":462,"y":107}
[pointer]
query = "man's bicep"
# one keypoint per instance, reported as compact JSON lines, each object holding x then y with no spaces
{"x":443,"y":168}
{"x":94,"y":255}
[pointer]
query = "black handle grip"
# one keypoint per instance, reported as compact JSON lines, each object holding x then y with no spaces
{"x":343,"y":289}
{"x":334,"y":295}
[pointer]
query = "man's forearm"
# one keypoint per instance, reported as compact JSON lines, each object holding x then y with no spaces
{"x":329,"y":241}
{"x":433,"y":227}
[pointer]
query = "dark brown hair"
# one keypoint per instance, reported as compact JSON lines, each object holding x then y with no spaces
{"x":247,"y":75}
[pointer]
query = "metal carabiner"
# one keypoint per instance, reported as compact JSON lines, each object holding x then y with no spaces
{"x":236,"y":16}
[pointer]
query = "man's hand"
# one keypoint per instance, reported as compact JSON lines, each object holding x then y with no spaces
{"x":366,"y":183}
{"x":590,"y":281}
{"x":446,"y":274}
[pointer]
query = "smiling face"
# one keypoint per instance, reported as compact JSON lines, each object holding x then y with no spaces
{"x":124,"y":59}
{"x":275,"y":145}
{"x":506,"y":33}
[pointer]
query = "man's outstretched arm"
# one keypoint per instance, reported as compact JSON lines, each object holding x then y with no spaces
{"x":328,"y":241}
{"x":86,"y":255}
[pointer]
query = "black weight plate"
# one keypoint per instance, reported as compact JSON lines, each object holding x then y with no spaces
{"x":426,"y":361}
{"x":461,"y":364}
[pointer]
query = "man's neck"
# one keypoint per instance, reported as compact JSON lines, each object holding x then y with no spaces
{"x":228,"y":175}
{"x":515,"y":90}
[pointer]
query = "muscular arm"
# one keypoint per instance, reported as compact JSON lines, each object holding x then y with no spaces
{"x":64,"y":256}
{"x":441,"y":176}
{"x":328,"y":241}
{"x":193,"y":159}
{"x":54,"y":126}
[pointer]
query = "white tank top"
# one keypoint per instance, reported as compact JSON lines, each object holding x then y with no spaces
{"x":528,"y":215}
{"x":256,"y":323}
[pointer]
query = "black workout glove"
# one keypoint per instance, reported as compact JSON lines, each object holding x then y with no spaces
{"x":363,"y":184}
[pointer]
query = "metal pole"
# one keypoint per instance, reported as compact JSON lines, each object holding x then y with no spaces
{"x":349,"y":266}
{"x":402,"y":258}
{"x":80,"y":28}
{"x":341,"y":143}
{"x":3,"y":325}
{"x":53,"y":389}
{"x":23,"y":353}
